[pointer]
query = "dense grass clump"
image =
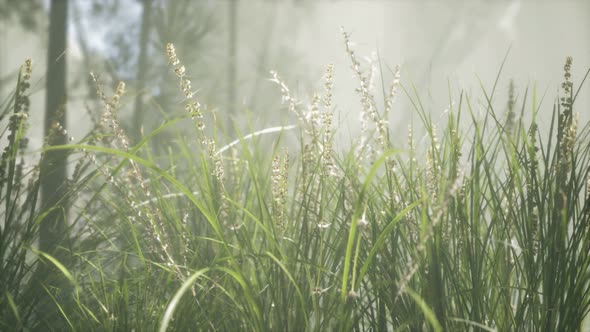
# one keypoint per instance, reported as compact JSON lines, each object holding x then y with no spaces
{"x":482,"y":225}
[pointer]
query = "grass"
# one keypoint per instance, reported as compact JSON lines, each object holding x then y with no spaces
{"x":481,"y":226}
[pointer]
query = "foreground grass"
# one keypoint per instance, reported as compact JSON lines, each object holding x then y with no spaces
{"x":482,"y":228}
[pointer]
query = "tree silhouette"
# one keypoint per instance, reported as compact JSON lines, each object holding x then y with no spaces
{"x":142,"y":68}
{"x":53,"y":174}
{"x":54,"y":163}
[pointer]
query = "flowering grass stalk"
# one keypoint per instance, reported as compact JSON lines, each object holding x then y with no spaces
{"x":482,"y":226}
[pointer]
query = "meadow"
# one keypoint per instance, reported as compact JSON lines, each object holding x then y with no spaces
{"x":479,"y":222}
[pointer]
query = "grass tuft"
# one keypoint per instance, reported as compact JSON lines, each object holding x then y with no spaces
{"x":480,"y":225}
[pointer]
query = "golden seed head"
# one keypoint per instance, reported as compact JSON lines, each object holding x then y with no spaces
{"x":171,"y":52}
{"x":28,"y":68}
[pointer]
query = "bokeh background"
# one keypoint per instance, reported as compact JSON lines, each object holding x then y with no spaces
{"x":229,"y":47}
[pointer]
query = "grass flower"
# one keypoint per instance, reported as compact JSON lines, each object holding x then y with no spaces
{"x":482,"y":225}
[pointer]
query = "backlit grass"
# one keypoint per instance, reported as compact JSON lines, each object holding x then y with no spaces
{"x":482,"y":225}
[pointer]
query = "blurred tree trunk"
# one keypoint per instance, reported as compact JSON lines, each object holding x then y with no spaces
{"x":264,"y":50}
{"x":53,"y":176}
{"x":142,"y":67}
{"x":54,"y":163}
{"x":232,"y":65}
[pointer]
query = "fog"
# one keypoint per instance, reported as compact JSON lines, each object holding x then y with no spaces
{"x":442,"y":48}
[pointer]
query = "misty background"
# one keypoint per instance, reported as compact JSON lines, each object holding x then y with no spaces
{"x":443,"y":48}
{"x":229,"y":47}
